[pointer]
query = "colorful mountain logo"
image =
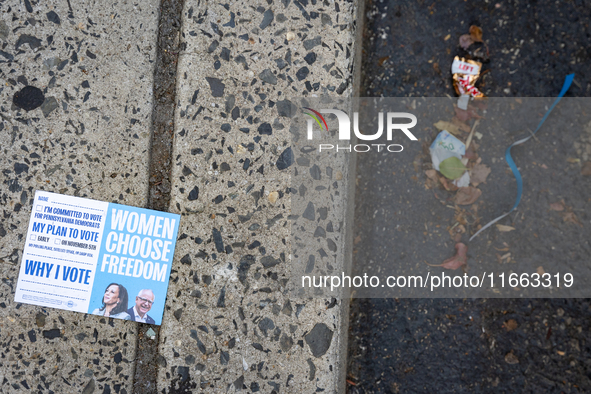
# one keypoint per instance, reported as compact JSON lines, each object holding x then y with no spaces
{"x":316,"y":118}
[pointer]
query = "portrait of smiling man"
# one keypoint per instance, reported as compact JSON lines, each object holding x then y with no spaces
{"x":143,"y":304}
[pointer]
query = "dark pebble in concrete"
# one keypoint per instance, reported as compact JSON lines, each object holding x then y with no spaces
{"x":20,"y":168}
{"x":4,"y":30}
{"x":217,"y":239}
{"x":286,"y":342}
{"x":53,"y":17}
{"x":184,"y":372}
{"x":268,"y":76}
{"x":269,"y":261}
{"x":302,"y":73}
{"x":28,"y":98}
{"x":310,"y":58}
{"x":310,"y":265}
{"x":33,"y":42}
{"x":281,"y":63}
{"x":89,"y":389}
{"x":285,"y":159}
{"x":286,"y":108}
{"x":7,"y":56}
{"x":224,"y":358}
{"x":309,"y":213}
{"x":49,"y":105}
{"x":315,"y":172}
{"x":265,"y":325}
{"x":312,"y":369}
{"x":309,"y":44}
{"x":267,"y":19}
{"x":178,"y":313}
{"x":216,"y":86}
{"x":319,"y":232}
{"x":222,"y":298}
{"x":194,"y":194}
{"x":244,"y":266}
{"x":319,"y":339}
{"x":265,"y":128}
{"x":51,"y":334}
{"x":213,"y":46}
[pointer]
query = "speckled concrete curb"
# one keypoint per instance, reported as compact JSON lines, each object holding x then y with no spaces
{"x":230,"y":323}
{"x":90,"y":138}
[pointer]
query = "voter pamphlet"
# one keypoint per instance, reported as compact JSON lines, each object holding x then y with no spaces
{"x":97,"y":257}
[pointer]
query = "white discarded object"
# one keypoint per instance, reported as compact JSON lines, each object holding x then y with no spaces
{"x":468,"y":68}
{"x":463,"y":181}
{"x":463,"y":101}
{"x":151,"y":333}
{"x":444,"y":147}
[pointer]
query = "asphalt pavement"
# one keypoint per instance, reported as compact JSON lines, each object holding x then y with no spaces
{"x":473,"y":345}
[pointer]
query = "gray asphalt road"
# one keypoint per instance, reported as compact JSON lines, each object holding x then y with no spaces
{"x":483,"y":345}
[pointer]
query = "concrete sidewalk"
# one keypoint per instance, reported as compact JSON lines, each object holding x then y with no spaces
{"x":89,"y":138}
{"x":229,"y":323}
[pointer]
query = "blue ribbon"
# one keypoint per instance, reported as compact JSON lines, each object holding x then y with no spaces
{"x":567,"y":82}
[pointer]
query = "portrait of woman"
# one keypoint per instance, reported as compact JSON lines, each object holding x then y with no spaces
{"x":114,"y":303}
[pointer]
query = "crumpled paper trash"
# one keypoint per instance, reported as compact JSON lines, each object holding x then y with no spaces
{"x":444,"y":147}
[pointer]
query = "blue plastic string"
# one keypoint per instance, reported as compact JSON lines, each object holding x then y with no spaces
{"x":567,"y":82}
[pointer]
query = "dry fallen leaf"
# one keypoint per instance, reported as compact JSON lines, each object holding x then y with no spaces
{"x":432,"y":180}
{"x":443,"y":125}
{"x":460,"y":216}
{"x":557,"y":206}
{"x":357,"y":239}
{"x":431,"y":174}
{"x":467,"y":114}
{"x":457,"y":230}
{"x":586,"y":170}
{"x":450,"y":187}
{"x":560,"y":353}
{"x":478,"y":174}
{"x":476,"y":33}
{"x":503,"y":228}
{"x":572,"y":218}
{"x":436,"y":68}
{"x":466,"y":40}
{"x":573,"y":160}
{"x":510,"y":324}
{"x":460,"y":258}
{"x":382,"y":60}
{"x":510,"y":358}
{"x":467,"y":195}
{"x":540,"y":270}
{"x":460,"y":124}
{"x":462,"y":114}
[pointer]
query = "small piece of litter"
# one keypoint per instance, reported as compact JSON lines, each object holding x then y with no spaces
{"x":151,"y":333}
